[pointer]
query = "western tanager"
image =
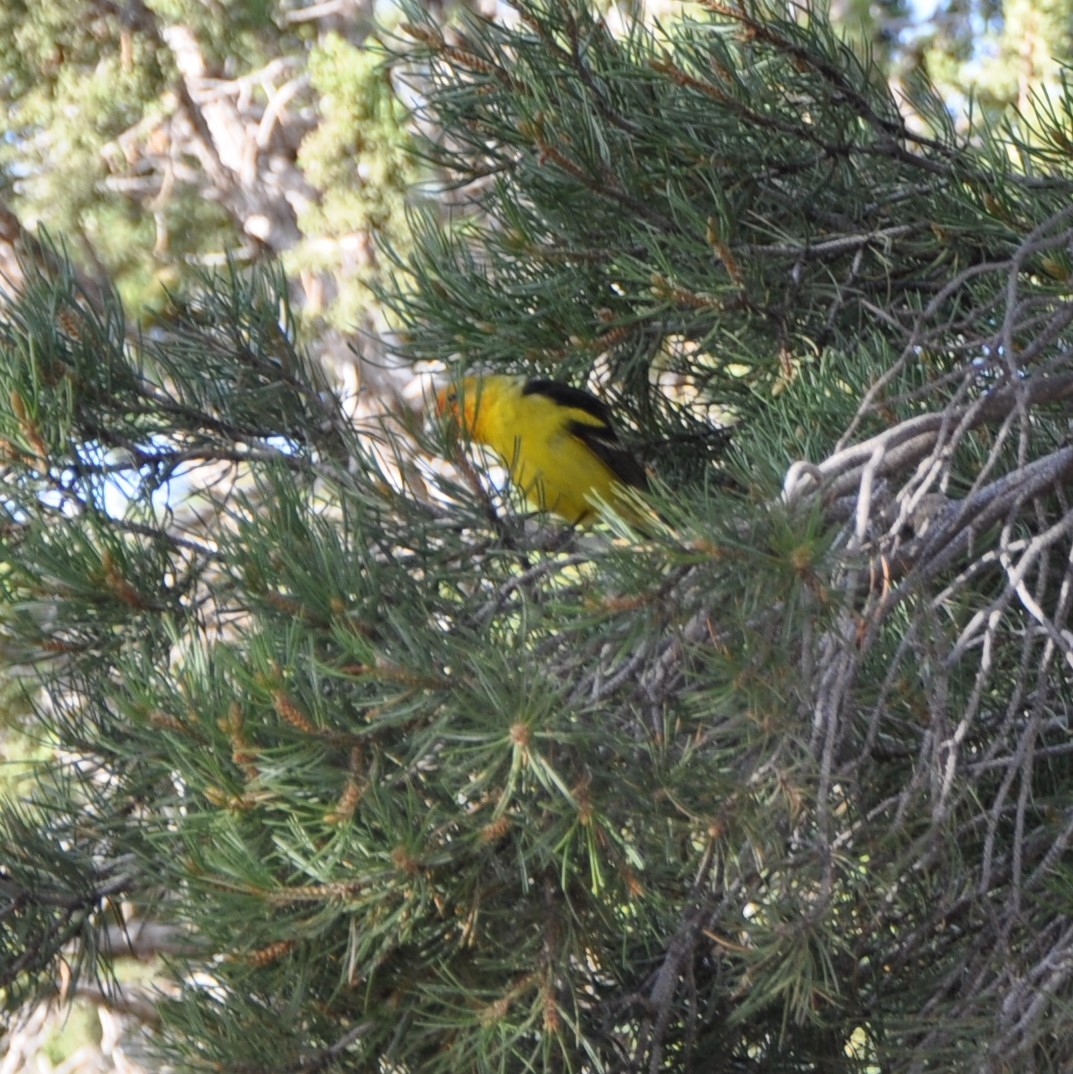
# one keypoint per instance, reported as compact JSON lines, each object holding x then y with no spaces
{"x":556,"y":441}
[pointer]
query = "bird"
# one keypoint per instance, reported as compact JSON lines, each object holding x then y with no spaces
{"x":557,"y":442}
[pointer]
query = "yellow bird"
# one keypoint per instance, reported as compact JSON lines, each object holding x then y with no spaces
{"x":556,"y":441}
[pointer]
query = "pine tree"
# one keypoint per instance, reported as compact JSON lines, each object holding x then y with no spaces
{"x":160,"y":137}
{"x":411,"y":783}
{"x":990,"y":59}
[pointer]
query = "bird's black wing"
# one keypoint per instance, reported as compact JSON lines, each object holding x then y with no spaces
{"x":574,"y":398}
{"x":603,"y":443}
{"x":601,"y":438}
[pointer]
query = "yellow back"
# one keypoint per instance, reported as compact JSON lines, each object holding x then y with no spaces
{"x":554,"y":469}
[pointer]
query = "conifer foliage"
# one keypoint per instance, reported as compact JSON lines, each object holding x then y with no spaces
{"x":409,"y":785}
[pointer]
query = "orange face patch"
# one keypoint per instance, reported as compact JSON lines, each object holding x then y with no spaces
{"x":461,"y":411}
